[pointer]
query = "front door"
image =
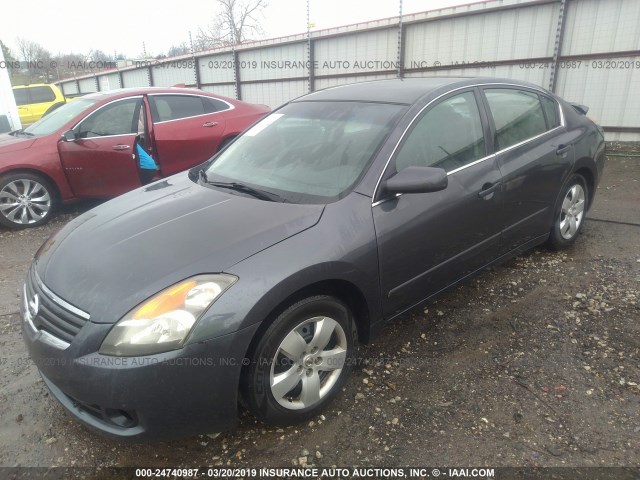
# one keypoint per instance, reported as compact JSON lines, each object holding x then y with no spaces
{"x":428,"y":241}
{"x":101,"y":162}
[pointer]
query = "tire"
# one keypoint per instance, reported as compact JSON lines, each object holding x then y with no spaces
{"x":26,"y":200}
{"x":307,"y":378}
{"x":570,"y":215}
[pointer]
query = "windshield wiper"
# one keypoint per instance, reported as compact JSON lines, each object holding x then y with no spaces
{"x":241,"y":187}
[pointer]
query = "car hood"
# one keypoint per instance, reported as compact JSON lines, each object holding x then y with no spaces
{"x":9,"y":143}
{"x":117,"y":255}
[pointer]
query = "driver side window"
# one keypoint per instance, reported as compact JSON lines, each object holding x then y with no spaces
{"x":117,"y":118}
{"x":448,"y":136}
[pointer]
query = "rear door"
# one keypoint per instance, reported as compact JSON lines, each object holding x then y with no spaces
{"x":428,"y":241}
{"x":100,"y":163}
{"x":187,"y":129}
{"x":534,"y":152}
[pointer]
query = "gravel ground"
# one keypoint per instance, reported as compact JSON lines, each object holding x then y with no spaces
{"x":533,"y":363}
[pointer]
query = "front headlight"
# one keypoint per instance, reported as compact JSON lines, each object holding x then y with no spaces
{"x":163,"y":322}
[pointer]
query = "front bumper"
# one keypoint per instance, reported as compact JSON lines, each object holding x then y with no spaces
{"x":163,"y":396}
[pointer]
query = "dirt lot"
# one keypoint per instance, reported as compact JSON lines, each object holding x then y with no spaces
{"x":536,"y":362}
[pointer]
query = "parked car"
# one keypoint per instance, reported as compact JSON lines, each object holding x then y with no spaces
{"x":87,"y":148}
{"x":37,"y":100}
{"x":256,"y":274}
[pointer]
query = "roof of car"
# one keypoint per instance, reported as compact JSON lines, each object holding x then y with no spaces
{"x":399,"y":90}
{"x":119,"y":92}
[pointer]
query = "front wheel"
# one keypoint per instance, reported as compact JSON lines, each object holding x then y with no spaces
{"x":569,"y":219}
{"x":301,"y":361}
{"x":26,"y":200}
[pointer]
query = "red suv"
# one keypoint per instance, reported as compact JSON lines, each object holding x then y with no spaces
{"x":87,"y":148}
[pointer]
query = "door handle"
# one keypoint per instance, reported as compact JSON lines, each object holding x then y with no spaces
{"x":488,"y":189}
{"x":562,"y":149}
{"x":121,"y":147}
{"x":210,"y":124}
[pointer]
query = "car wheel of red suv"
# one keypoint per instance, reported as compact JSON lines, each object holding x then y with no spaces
{"x":26,"y":200}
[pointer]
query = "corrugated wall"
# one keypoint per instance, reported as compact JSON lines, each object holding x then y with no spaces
{"x":587,"y":51}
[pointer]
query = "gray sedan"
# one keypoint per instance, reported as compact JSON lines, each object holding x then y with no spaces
{"x":254,"y":276}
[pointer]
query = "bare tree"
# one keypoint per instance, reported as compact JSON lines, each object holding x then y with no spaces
{"x":99,"y":56}
{"x":181,"y":49}
{"x":30,"y":51}
{"x":37,"y":58}
{"x":237,"y":23}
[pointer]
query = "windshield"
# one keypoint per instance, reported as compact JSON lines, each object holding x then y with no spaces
{"x":308,"y":152}
{"x":57,"y":119}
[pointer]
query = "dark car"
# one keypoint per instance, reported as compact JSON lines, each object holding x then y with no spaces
{"x":87,"y":147}
{"x":254,"y":276}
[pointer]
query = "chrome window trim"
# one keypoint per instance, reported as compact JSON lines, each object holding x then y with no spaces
{"x":231,"y":106}
{"x":413,"y":120}
{"x":100,"y":108}
{"x":63,"y":303}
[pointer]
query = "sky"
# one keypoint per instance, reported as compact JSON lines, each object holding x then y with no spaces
{"x":121,"y":26}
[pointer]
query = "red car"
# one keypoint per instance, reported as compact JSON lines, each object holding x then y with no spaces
{"x":87,"y":148}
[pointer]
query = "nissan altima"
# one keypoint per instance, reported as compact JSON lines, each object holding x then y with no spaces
{"x":252,"y":278}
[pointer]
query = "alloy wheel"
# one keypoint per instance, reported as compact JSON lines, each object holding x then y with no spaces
{"x":24,"y":201}
{"x":572,"y":212}
{"x":308,"y":363}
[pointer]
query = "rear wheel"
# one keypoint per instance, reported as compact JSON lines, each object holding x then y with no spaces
{"x":301,"y":361}
{"x":26,"y":200}
{"x":569,"y":219}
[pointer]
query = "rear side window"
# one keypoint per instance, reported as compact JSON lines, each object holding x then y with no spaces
{"x":41,"y":94}
{"x":517,"y":115}
{"x":448,"y":136}
{"x":174,"y":107}
{"x":211,"y":105}
{"x":22,"y":96}
{"x":551,"y":112}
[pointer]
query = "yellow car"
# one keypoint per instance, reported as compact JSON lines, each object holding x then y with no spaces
{"x":36,"y":100}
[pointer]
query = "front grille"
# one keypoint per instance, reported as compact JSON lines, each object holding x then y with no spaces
{"x":52,"y":317}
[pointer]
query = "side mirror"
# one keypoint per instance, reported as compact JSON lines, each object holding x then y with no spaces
{"x":417,"y":180}
{"x":69,"y":136}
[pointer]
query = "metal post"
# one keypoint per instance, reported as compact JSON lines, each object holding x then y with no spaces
{"x":310,"y":53}
{"x":196,"y":67}
{"x":95,"y":77}
{"x":400,"y":41}
{"x":557,"y":47}
{"x":312,"y":69}
{"x":236,"y":73}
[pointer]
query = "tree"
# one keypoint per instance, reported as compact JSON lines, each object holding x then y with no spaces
{"x":6,"y":53}
{"x":9,"y":59}
{"x":236,"y":23}
{"x":181,"y":49}
{"x":38,"y":59}
{"x":99,"y":56}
